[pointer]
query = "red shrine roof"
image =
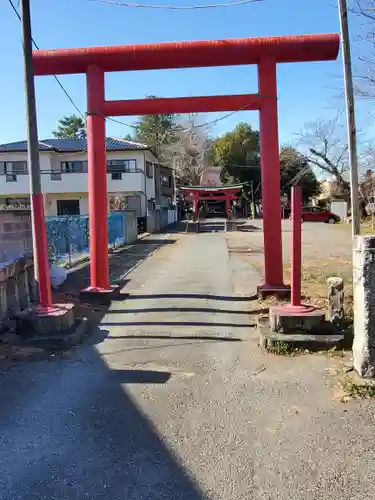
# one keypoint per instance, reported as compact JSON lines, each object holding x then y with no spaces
{"x":225,"y":188}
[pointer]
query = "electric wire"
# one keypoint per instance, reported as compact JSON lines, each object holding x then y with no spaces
{"x":134,"y":127}
{"x":55,"y":77}
{"x":177,"y":7}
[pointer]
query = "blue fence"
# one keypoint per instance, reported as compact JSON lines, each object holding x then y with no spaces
{"x":69,"y":240}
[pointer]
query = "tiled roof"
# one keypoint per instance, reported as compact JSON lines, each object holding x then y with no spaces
{"x":72,"y":145}
{"x":221,"y":187}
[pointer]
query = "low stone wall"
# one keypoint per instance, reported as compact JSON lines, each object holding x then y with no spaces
{"x":17,"y":288}
{"x":15,"y":234}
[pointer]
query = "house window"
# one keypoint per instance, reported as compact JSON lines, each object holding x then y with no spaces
{"x":121,"y":166}
{"x":14,"y":204}
{"x":73,"y":167}
{"x":56,"y":176}
{"x":67,"y":207}
{"x":166,"y":181}
{"x":149,"y":169}
{"x":116,"y":176}
{"x":12,"y":168}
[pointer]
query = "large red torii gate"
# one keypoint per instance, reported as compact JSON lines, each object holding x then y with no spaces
{"x":265,"y":52}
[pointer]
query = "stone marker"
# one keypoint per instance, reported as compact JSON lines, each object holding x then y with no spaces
{"x":364,"y":306}
{"x":335,"y":299}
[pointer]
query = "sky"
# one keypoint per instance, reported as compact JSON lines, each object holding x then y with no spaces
{"x":307,"y":91}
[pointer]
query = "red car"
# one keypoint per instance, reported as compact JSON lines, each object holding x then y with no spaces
{"x":315,"y":214}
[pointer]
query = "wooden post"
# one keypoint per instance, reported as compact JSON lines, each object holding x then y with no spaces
{"x":335,"y":299}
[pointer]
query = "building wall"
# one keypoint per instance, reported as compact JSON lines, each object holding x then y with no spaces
{"x":50,"y":202}
{"x":139,"y":189}
{"x":166,"y":192}
{"x":75,"y":182}
{"x":15,"y":234}
{"x":211,"y":177}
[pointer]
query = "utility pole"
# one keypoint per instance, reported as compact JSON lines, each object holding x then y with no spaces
{"x":352,"y":137}
{"x":252,"y":200}
{"x":41,"y":264}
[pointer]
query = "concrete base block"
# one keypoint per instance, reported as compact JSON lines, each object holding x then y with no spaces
{"x":62,"y":341}
{"x":53,"y":340}
{"x":269,"y":339}
{"x":280,"y":291}
{"x":101,"y":296}
{"x":46,"y":321}
{"x":364,"y":306}
{"x":232,"y":225}
{"x":303,"y":319}
{"x":192,"y":227}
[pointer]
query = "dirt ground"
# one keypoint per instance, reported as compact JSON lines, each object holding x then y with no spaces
{"x":326,"y":251}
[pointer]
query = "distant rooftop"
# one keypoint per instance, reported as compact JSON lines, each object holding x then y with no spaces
{"x":221,"y":187}
{"x":72,"y":145}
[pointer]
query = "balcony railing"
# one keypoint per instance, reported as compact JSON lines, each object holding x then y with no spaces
{"x":115,"y":170}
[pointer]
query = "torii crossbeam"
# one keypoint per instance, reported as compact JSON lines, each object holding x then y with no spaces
{"x":265,"y":52}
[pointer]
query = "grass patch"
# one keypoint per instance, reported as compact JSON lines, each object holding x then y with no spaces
{"x":315,"y":274}
{"x":357,"y":390}
{"x":283,"y":348}
{"x":366,"y":226}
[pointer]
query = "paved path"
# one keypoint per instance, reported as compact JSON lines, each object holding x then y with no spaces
{"x":174,"y":400}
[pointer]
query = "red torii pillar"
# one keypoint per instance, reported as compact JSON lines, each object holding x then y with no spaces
{"x":265,"y":52}
{"x":97,"y":173}
{"x":270,"y":170}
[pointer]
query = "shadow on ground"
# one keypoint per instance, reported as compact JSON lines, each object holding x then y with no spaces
{"x":100,"y":443}
{"x":121,"y":263}
{"x":210,"y":310}
{"x":225,"y":298}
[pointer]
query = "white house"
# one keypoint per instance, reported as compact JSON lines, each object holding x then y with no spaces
{"x":131,"y":175}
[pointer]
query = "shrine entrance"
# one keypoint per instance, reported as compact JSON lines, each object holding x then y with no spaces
{"x":203,"y":195}
{"x":94,"y":62}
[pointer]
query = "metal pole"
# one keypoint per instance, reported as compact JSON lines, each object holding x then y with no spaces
{"x":296,"y":245}
{"x":40,"y":249}
{"x":252,"y":200}
{"x":352,"y":139}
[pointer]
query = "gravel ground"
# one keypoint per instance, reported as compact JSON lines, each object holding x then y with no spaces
{"x":173,"y":399}
{"x":319,"y":241}
{"x":326,"y":251}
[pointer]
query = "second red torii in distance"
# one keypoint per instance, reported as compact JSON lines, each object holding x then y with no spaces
{"x":265,"y":52}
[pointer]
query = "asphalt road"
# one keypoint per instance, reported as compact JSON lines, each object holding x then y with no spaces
{"x":173,"y":399}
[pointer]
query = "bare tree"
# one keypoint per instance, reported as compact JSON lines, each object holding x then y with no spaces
{"x":367,"y":195}
{"x":327,"y":149}
{"x":117,"y":202}
{"x":191,"y":150}
{"x":365,"y":67}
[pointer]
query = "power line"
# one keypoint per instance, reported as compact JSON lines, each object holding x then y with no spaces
{"x":118,"y":121}
{"x":193,"y":127}
{"x":177,"y":7}
{"x":202,"y":125}
{"x":55,"y":77}
{"x":217,"y":120}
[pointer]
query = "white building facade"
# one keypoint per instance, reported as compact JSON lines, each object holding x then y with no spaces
{"x":131,"y":175}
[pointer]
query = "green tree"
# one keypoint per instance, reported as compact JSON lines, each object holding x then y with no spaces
{"x":70,"y":127}
{"x":157,"y":131}
{"x":295,"y":169}
{"x":237,"y":153}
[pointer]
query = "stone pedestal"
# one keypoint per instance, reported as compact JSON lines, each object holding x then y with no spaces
{"x":56,"y":320}
{"x":364,"y":306}
{"x":335,"y":296}
{"x":101,"y":296}
{"x":287,"y":319}
{"x":281,"y":292}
